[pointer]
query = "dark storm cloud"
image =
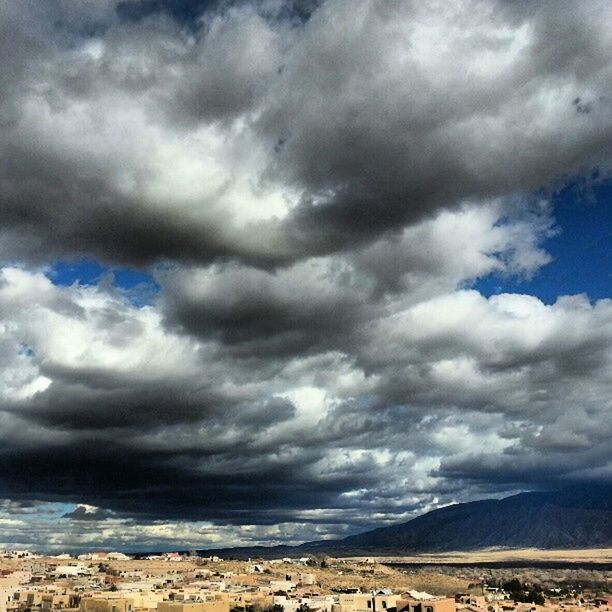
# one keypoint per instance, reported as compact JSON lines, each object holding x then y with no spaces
{"x":334,"y":304}
{"x":51,"y":187}
{"x":164,"y":485}
{"x":256,"y":440}
{"x":363,"y":116}
{"x":302,"y":310}
{"x":180,"y":9}
{"x":228,"y":73}
{"x":190,"y":455}
{"x":189,"y":12}
{"x":151,"y":406}
{"x":383,"y":142}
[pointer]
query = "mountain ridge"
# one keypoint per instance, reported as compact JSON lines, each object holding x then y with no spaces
{"x":579,"y":516}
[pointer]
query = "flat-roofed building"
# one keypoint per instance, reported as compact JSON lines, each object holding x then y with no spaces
{"x":355,"y":602}
{"x":204,"y":606}
{"x":6,"y":597}
{"x":474,"y":603}
{"x":442,"y":604}
{"x":302,"y":578}
{"x":385,"y":601}
{"x":106,"y":604}
{"x":28,"y":599}
{"x":54,"y":601}
{"x":283,"y":586}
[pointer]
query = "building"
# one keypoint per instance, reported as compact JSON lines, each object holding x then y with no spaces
{"x":6,"y":597}
{"x":205,"y":606}
{"x":301,"y":579}
{"x":386,"y":600}
{"x":106,"y":604}
{"x":441,"y":604}
{"x":281,"y":586}
{"x":354,"y":602}
{"x":68,"y":571}
{"x":54,"y":601}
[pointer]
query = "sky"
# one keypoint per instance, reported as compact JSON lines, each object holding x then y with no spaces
{"x":277,"y":271}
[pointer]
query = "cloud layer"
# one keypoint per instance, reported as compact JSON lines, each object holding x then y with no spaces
{"x":316,"y":189}
{"x":267,"y":140}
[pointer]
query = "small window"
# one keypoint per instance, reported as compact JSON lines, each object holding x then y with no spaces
{"x":384,"y":605}
{"x":369,"y":604}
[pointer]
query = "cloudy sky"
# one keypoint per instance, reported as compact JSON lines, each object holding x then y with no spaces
{"x":283,"y":270}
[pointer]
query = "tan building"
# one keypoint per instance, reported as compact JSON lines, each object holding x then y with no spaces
{"x":246,"y":599}
{"x":28,"y":599}
{"x":205,"y":606}
{"x":106,"y":604}
{"x":474,"y":603}
{"x":443,"y":604}
{"x":53,"y":601}
{"x":278,"y":586}
{"x":385,"y":601}
{"x":6,"y":597}
{"x":301,"y":579}
{"x":147,"y":600}
{"x":355,"y":602}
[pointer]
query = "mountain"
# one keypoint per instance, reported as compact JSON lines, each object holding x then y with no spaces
{"x":574,"y":517}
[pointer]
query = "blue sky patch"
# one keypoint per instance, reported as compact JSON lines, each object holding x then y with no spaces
{"x":139,"y":287}
{"x":581,"y":249}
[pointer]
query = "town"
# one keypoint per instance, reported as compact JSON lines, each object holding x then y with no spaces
{"x":174,"y":582}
